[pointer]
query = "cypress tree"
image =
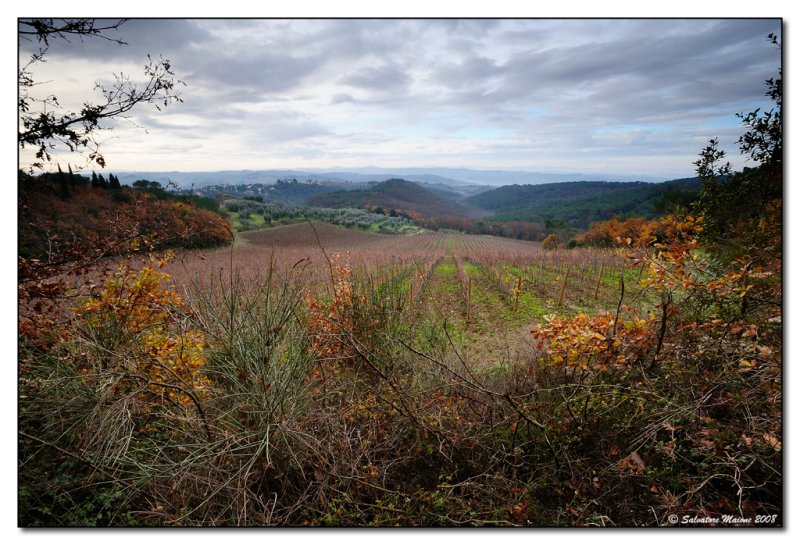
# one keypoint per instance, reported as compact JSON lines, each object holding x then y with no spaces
{"x":72,"y":178}
{"x":63,"y":190}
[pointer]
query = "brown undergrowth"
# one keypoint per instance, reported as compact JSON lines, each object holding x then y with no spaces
{"x":279,"y":402}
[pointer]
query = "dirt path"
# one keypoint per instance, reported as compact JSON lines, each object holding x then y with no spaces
{"x":500,"y":335}
{"x":494,"y":334}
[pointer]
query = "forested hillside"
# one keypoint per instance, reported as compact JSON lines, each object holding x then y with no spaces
{"x":516,"y":196}
{"x":579,"y":204}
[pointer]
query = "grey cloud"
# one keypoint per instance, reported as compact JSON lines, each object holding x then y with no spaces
{"x":263,"y":72}
{"x":283,"y":132}
{"x":469,"y":73}
{"x":342,"y":98}
{"x":278,"y":57}
{"x":386,"y":77}
{"x":156,"y":122}
{"x":278,"y":126}
{"x":633,"y":74}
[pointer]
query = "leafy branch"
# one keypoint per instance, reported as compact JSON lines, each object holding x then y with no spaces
{"x":50,"y":126}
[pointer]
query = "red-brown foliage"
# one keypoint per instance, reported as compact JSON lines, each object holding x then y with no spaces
{"x":637,"y":231}
{"x":64,"y":238}
{"x":111,"y":221}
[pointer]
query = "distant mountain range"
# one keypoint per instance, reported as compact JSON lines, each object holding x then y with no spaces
{"x":455,"y":177}
{"x":491,"y":177}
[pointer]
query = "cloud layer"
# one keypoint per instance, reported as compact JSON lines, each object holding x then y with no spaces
{"x":625,"y":96}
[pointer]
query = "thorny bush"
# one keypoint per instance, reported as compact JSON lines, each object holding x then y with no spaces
{"x":701,"y":374}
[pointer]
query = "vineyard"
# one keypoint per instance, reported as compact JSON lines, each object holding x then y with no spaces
{"x":489,"y":291}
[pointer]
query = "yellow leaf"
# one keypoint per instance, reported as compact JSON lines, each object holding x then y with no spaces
{"x":746,"y":365}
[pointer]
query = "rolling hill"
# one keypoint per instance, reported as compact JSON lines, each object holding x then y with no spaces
{"x":400,"y":195}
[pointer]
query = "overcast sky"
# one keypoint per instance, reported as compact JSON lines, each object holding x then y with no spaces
{"x":591,"y":96}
